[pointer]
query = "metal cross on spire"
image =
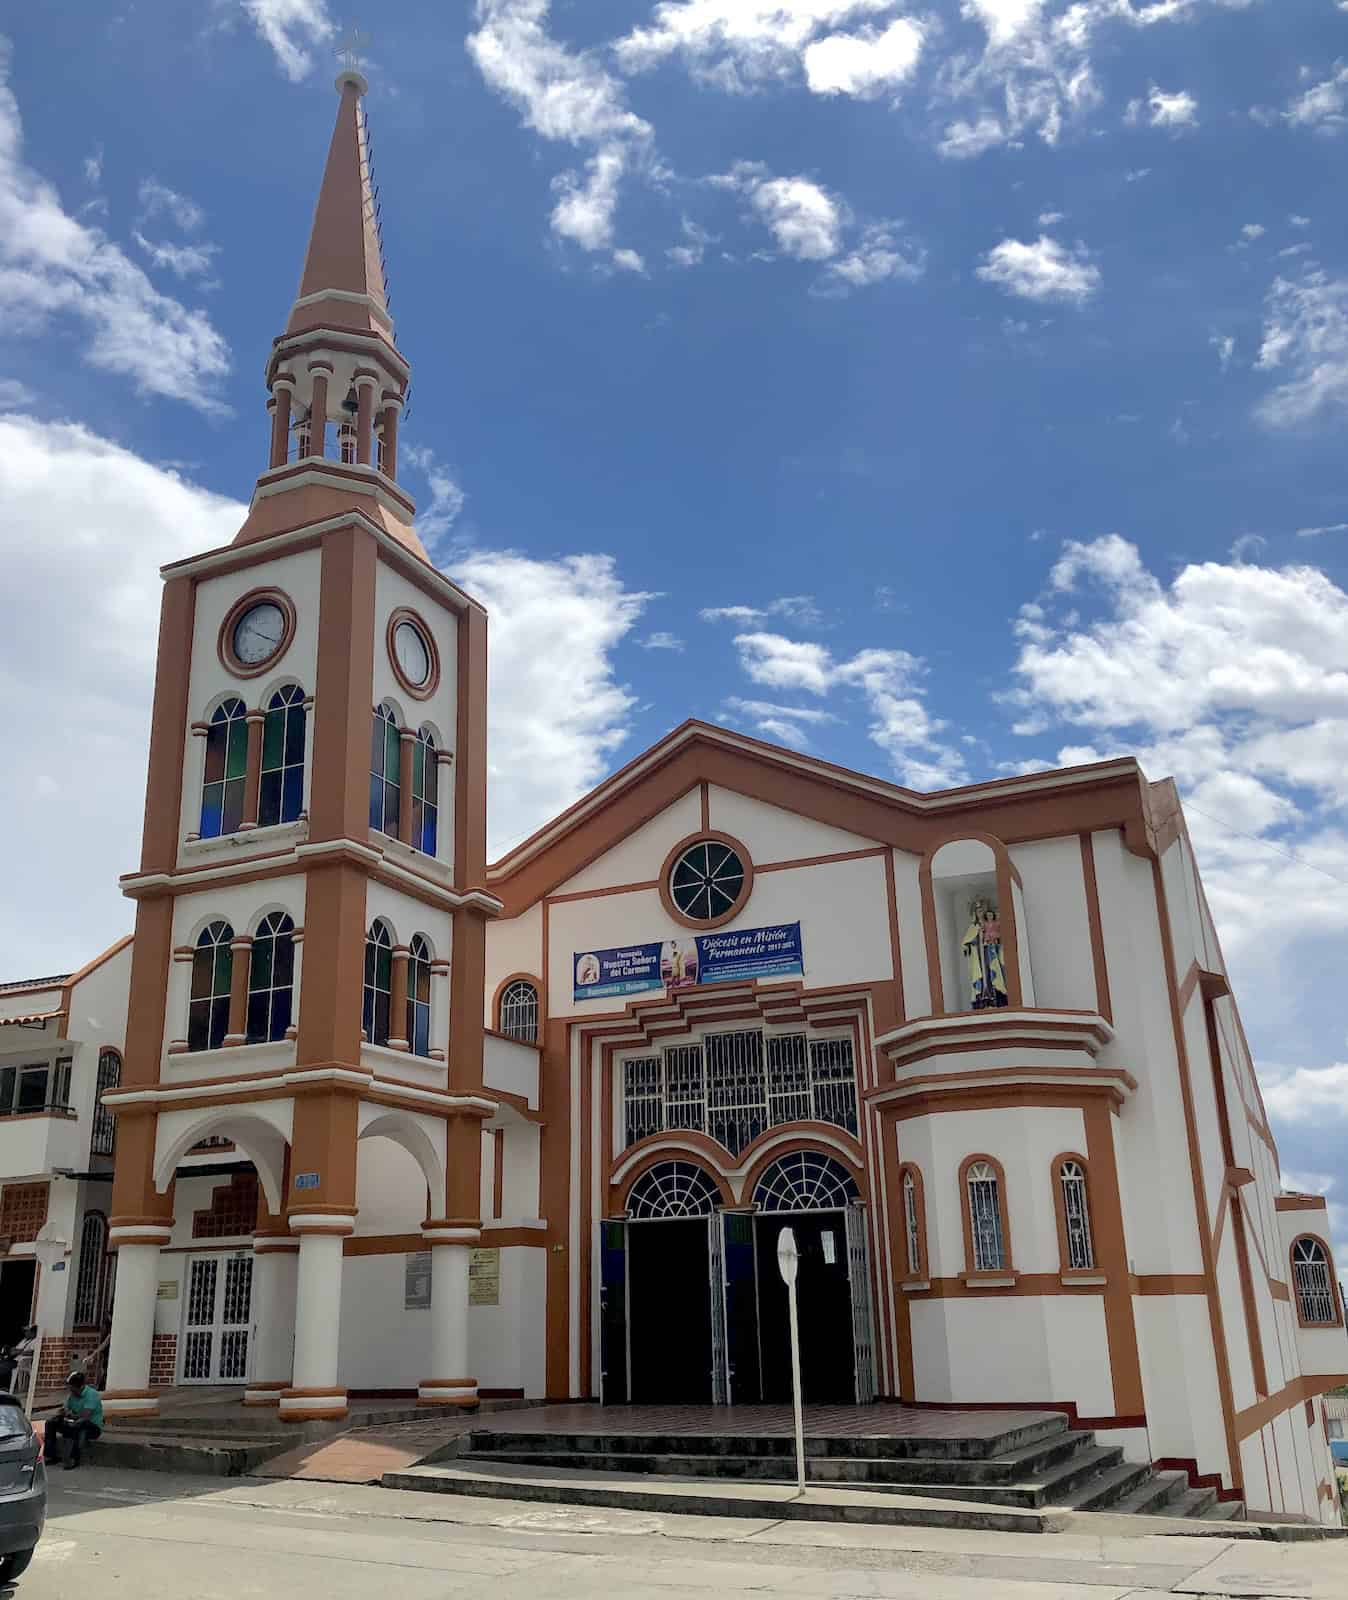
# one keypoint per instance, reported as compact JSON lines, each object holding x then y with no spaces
{"x":350,"y":47}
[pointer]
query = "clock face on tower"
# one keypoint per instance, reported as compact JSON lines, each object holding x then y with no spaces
{"x":412,"y":653}
{"x":258,"y":634}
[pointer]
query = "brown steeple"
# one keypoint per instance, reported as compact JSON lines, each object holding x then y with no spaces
{"x":342,"y":284}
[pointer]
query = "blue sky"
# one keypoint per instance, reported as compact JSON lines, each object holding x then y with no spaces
{"x":946,"y":389}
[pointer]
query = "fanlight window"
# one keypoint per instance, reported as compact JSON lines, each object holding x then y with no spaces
{"x":673,"y":1189}
{"x":378,"y":990}
{"x":805,"y":1181}
{"x":281,"y":797}
{"x":706,"y":881}
{"x":519,"y":1011}
{"x":985,"y":1218}
{"x":419,"y":996}
{"x":226,"y":773}
{"x":1317,"y":1298}
{"x":212,"y":974}
{"x":271,"y":979}
{"x":425,"y":793}
{"x":103,"y":1139}
{"x":385,"y":745}
{"x":911,"y":1225}
{"x":1076,"y":1216}
{"x":734,"y":1086}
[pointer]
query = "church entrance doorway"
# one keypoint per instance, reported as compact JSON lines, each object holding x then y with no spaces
{"x":692,"y":1305}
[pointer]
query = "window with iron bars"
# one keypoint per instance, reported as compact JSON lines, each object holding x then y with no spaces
{"x":734,"y":1086}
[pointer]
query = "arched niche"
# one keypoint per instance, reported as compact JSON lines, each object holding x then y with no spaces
{"x":975,"y":922}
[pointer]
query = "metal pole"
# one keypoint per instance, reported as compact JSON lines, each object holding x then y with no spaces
{"x":795,"y":1388}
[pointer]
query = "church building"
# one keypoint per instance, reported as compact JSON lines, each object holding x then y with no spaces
{"x":391,"y":1119}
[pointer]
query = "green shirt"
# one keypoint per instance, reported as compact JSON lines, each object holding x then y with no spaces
{"x":87,"y":1405}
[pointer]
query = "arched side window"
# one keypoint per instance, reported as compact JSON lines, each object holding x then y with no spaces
{"x":986,"y":1235}
{"x":271,"y":979}
{"x":805,"y":1181}
{"x":91,"y":1281}
{"x":672,"y":1189}
{"x":103,"y":1139}
{"x":281,"y":797}
{"x":226,"y":773}
{"x":1076,"y":1245}
{"x":517,"y":1011}
{"x":212,"y":974}
{"x":914,"y":1221}
{"x":1313,"y":1282}
{"x":419,"y":996}
{"x":425,"y":793}
{"x":385,"y":745}
{"x":378,"y":994}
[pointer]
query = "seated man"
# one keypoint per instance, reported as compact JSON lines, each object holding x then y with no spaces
{"x":81,"y":1418}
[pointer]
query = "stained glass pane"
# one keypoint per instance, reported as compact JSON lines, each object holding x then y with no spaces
{"x":269,"y":800}
{"x":273,"y":739}
{"x":283,"y":969}
{"x":215,"y":751}
{"x":236,"y":755}
{"x":292,"y":800}
{"x":381,"y":1015}
{"x":224,"y":969}
{"x":429,"y":824}
{"x":376,"y":801}
{"x":259,"y":1008}
{"x":377,"y":745}
{"x":383,"y":967}
{"x":391,"y":808}
{"x":219,"y":1021}
{"x":294,"y":719}
{"x":392,"y":746}
{"x":259,"y":968}
{"x":212,"y":807}
{"x":233,"y":808}
{"x":203,"y":968}
{"x":281,"y":1005}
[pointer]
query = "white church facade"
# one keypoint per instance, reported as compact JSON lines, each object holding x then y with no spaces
{"x":390,"y":1119}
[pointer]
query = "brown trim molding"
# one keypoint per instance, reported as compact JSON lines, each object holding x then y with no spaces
{"x":224,"y":644}
{"x":425,"y":690}
{"x":1257,"y":1416}
{"x":706,"y":836}
{"x":1102,"y":996}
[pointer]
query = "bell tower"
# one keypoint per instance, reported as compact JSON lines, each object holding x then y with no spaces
{"x":310,"y":903}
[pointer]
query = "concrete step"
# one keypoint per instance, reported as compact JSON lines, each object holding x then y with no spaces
{"x":1153,"y":1495}
{"x":1102,"y":1491}
{"x":1048,"y":1426}
{"x":213,"y":1458}
{"x":1191,"y":1503}
{"x":1226,"y":1511}
{"x":633,"y":1492}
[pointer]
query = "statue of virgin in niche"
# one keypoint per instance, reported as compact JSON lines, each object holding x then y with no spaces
{"x":983,"y":951}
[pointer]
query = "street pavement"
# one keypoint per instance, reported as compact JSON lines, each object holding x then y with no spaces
{"x":156,"y":1537}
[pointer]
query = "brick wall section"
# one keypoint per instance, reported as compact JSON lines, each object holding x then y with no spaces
{"x":163,"y":1360}
{"x":57,"y":1359}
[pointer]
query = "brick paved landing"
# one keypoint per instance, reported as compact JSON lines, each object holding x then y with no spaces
{"x":363,"y":1455}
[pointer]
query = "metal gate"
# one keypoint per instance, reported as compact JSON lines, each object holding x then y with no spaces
{"x":216,"y":1318}
{"x":859,"y":1283}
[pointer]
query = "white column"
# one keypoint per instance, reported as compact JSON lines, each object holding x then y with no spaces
{"x":275,"y":1267}
{"x":318,"y":1313}
{"x":449,"y":1383}
{"x":128,"y":1391}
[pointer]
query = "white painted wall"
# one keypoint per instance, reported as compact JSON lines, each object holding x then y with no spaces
{"x":513,"y":945}
{"x":638,"y":857}
{"x":381,"y":1345}
{"x":511,"y":1067}
{"x":912,"y":935}
{"x":507,"y":1344}
{"x":1055,"y":916}
{"x":773,"y":834}
{"x":390,"y":1189}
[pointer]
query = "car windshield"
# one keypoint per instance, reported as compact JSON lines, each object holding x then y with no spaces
{"x":13,"y":1423}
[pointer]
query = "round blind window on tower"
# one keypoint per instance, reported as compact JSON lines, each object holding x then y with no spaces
{"x":708,"y":881}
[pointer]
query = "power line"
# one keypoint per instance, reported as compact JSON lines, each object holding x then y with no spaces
{"x":1267,"y":843}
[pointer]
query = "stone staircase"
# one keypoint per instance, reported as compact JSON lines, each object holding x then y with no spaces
{"x":1035,"y":1466}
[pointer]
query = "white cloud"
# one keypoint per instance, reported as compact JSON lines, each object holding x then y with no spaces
{"x":1306,"y":342}
{"x":799,"y":608}
{"x":1248,"y":545}
{"x":805,"y":220}
{"x":690,"y":253}
{"x":1043,"y":270}
{"x":661,"y":641}
{"x":557,"y":712}
{"x":876,"y":256}
{"x":864,"y":64}
{"x":1251,"y":231}
{"x":1322,"y":107}
{"x":1137,"y":175}
{"x":628,"y":261}
{"x":93,"y":167}
{"x":1310,"y":1092}
{"x":565,"y":96}
{"x":1298,"y":221}
{"x":158,"y":199}
{"x":789,"y":725}
{"x":1048,"y":218}
{"x":1225,"y":346}
{"x":1329,"y":527}
{"x":15,"y":395}
{"x":1162,"y":110}
{"x":89,"y":522}
{"x":887,"y":681}
{"x":185,"y":260}
{"x":1296,"y":249}
{"x":447,"y":497}
{"x":58,"y":273}
{"x":293,"y":28}
{"x":734,"y":44}
{"x":964,"y":140}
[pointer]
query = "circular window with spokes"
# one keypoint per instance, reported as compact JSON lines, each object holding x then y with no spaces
{"x":706,"y":880}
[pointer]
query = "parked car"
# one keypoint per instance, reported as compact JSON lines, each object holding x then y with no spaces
{"x":23,"y":1488}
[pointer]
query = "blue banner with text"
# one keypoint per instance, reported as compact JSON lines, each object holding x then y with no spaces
{"x":773,"y":952}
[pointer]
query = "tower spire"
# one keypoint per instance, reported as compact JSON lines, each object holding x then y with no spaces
{"x":342,"y":284}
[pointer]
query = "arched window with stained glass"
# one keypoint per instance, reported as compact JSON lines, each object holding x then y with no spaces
{"x":419,"y":996}
{"x":378,"y":990}
{"x":212,"y":974}
{"x":517,"y":1012}
{"x":385,"y":746}
{"x":425,"y":793}
{"x":271,"y":978}
{"x":226,"y":771}
{"x":281,"y":797}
